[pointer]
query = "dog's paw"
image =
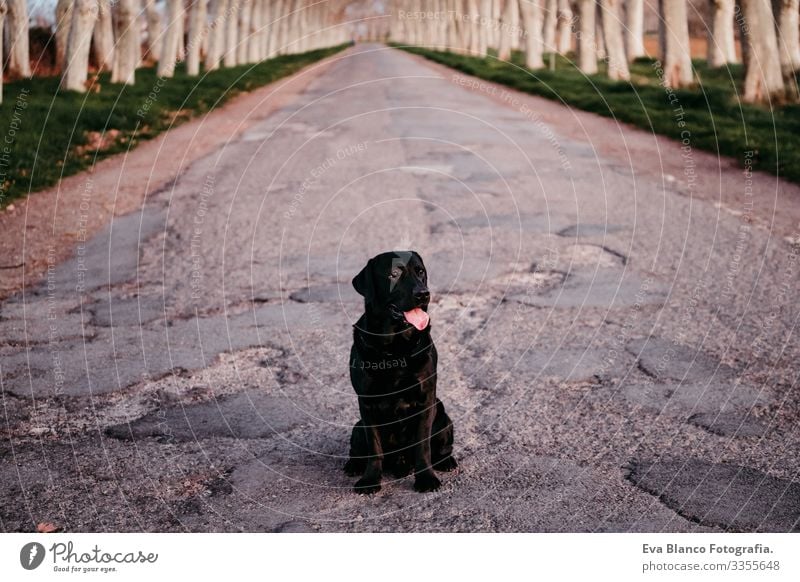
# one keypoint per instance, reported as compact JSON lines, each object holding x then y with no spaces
{"x":366,"y":486}
{"x":354,"y":467}
{"x":426,"y":482}
{"x":446,"y":464}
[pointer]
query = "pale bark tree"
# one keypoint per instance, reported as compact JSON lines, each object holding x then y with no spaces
{"x":587,"y":43}
{"x":197,"y":31}
{"x":232,"y":34}
{"x":484,"y":25}
{"x":3,"y":12}
{"x":789,"y":37}
{"x":154,"y":40}
{"x":634,"y":29}
{"x":63,"y":24}
{"x":599,"y":37}
{"x":473,"y":14}
{"x":763,"y":80}
{"x":675,"y":51}
{"x":721,"y":39}
{"x":615,"y":44}
{"x":275,"y":29}
{"x":171,"y":46}
{"x":532,"y":23}
{"x":216,"y":41}
{"x":507,"y":29}
{"x":103,"y":36}
{"x":76,"y":59}
{"x":19,"y":60}
{"x":293,"y":29}
{"x":549,"y":26}
{"x":266,"y":18}
{"x":127,"y":52}
{"x":254,"y":42}
{"x":495,"y":33}
{"x":564,"y":28}
{"x":245,"y":13}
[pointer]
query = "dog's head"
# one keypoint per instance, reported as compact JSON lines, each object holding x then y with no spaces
{"x":395,"y":287}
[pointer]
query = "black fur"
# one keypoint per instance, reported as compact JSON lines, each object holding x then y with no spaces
{"x":403,"y":426}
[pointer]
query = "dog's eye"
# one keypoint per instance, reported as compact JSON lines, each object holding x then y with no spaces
{"x":394,"y":274}
{"x":420,"y":271}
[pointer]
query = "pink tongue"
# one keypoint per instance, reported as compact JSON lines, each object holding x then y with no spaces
{"x":417,"y":318}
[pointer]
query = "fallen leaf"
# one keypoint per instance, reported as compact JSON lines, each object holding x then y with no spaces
{"x":47,"y":527}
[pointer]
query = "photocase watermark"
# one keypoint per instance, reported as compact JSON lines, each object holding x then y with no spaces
{"x":678,"y":113}
{"x":65,"y":557}
{"x":20,"y":104}
{"x":379,"y":364}
{"x":195,"y":243}
{"x":52,"y":327}
{"x":83,"y":235}
{"x":518,"y":102}
{"x":456,"y":16}
{"x":318,"y":171}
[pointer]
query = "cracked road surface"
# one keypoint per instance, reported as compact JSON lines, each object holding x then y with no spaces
{"x":616,"y":355}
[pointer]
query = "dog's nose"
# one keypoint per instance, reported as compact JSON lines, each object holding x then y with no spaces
{"x":422,"y":296}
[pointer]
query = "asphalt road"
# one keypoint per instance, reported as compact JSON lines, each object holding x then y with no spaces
{"x":616,"y":355}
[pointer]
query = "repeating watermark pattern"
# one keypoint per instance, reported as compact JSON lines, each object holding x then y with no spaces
{"x":6,"y":149}
{"x":317,"y":172}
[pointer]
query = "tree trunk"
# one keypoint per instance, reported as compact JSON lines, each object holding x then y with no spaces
{"x":254,"y":42}
{"x":721,"y":40}
{"x":484,"y":25}
{"x":170,"y":47}
{"x":634,"y":29}
{"x":587,"y":44}
{"x":232,"y":34}
{"x":274,"y":29}
{"x":103,"y":37}
{"x":564,"y":29}
{"x":763,"y":80}
{"x":126,"y":55}
{"x":245,"y":11}
{"x":154,"y":40}
{"x":615,"y":44}
{"x":3,"y":12}
{"x":549,"y":27}
{"x":63,"y":23}
{"x":675,"y":51}
{"x":599,"y":37}
{"x":76,"y":59}
{"x":197,"y":31}
{"x":266,"y":19}
{"x":532,"y":23}
{"x":216,"y":41}
{"x":789,"y":37}
{"x":507,"y":30}
{"x":19,"y":60}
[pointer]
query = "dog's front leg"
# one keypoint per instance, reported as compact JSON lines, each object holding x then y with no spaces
{"x":426,"y":479}
{"x":371,"y":480}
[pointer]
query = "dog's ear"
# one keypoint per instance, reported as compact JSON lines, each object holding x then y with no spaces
{"x":364,"y":282}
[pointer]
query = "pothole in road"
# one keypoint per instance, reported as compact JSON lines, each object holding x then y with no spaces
{"x":591,"y":255}
{"x":732,"y":497}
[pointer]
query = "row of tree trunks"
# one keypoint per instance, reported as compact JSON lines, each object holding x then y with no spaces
{"x":216,"y":32}
{"x":612,"y":31}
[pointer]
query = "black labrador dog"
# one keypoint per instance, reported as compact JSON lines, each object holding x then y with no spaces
{"x":393,"y":370}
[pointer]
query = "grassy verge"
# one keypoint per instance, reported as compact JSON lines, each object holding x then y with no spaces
{"x":46,"y":134}
{"x":713,"y":116}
